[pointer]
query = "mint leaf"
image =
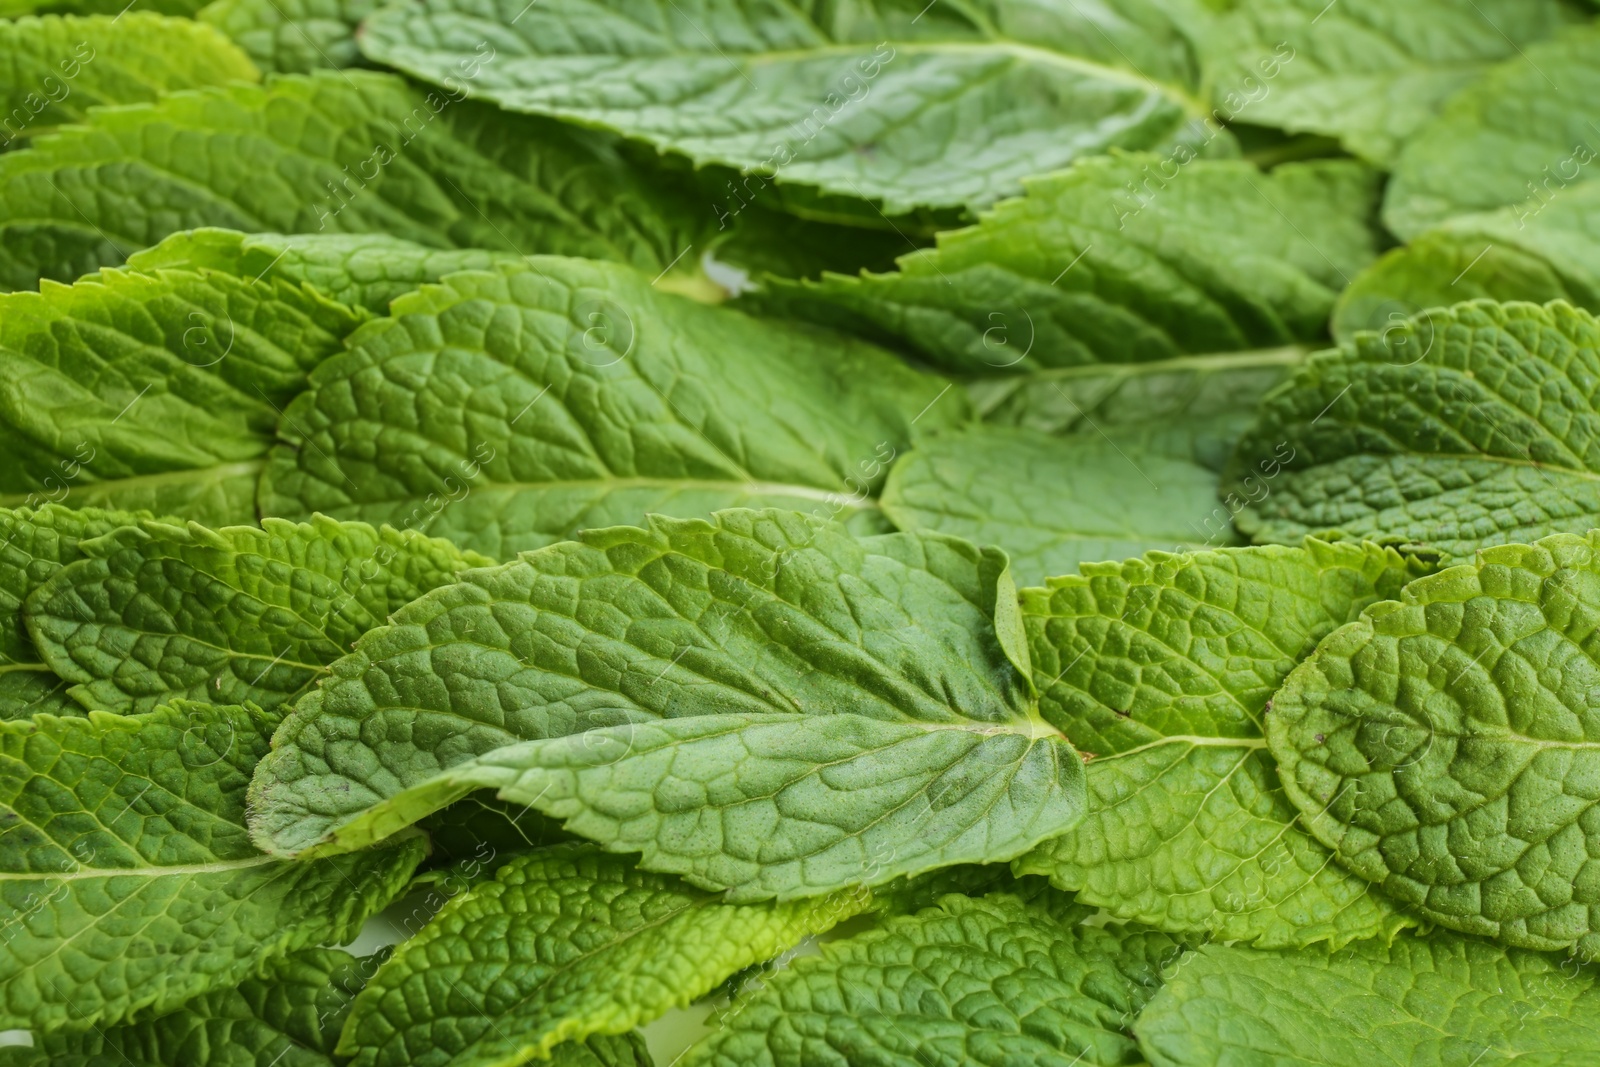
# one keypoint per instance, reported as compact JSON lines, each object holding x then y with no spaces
{"x":1055,"y":502}
{"x":1119,"y":259}
{"x":289,"y":1014}
{"x":991,"y":981}
{"x":1460,"y":428}
{"x":158,"y":392}
{"x":292,"y":36}
{"x":1022,"y":88}
{"x":129,"y":877}
{"x":159,"y":611}
{"x":656,"y":711}
{"x":1418,"y":1000}
{"x":1520,"y":135}
{"x":335,"y":152}
{"x":1541,"y":250}
{"x":508,"y":409}
{"x":1367,"y":72}
{"x":1441,"y":745}
{"x":1162,"y":668}
{"x":53,"y":69}
{"x":564,"y":943}
{"x":364,"y":270}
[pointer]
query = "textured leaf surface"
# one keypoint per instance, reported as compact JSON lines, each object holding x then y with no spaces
{"x":944,"y":108}
{"x":335,"y":152}
{"x":365,"y":270}
{"x":1122,"y":259}
{"x":1055,"y":502}
{"x":158,"y":392}
{"x":52,"y":70}
{"x":991,"y":982}
{"x":1541,"y":250}
{"x":129,"y":876}
{"x":1446,"y":745}
{"x":1420,"y":1002}
{"x":1365,"y":71}
{"x":564,"y":943}
{"x":664,"y":717}
{"x":1521,"y":135}
{"x":1162,"y":668}
{"x":505,"y":410}
{"x":161,"y":611}
{"x":290,"y":1014}
{"x":292,"y":36}
{"x":1465,"y":427}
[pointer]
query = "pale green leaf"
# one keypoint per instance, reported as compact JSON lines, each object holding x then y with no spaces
{"x":1445,"y":745}
{"x":1368,"y":72}
{"x":990,"y":982}
{"x":53,"y":69}
{"x":563,"y":944}
{"x":1053,"y":502}
{"x":889,"y":101}
{"x":1463,"y":427}
{"x":292,"y":36}
{"x":158,"y":392}
{"x":508,"y":409}
{"x":334,"y":152}
{"x":244,"y":614}
{"x":1419,"y":1002}
{"x":1519,"y":136}
{"x":1162,"y":669}
{"x":128,"y":876}
{"x":1120,"y":259}
{"x":682,"y":690}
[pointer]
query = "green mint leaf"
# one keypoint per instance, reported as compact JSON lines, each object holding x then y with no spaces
{"x":332,"y":152}
{"x":1541,"y":250}
{"x":507,"y":409}
{"x":563,"y":944}
{"x":289,"y":1014}
{"x":292,"y":36}
{"x":992,"y":982}
{"x":761,"y":670}
{"x":1442,"y":745}
{"x":1519,"y":136}
{"x":53,"y":69}
{"x":1459,"y":428}
{"x":1119,"y":259}
{"x":943,"y":108}
{"x":156,"y":392}
{"x":159,"y":611}
{"x":1162,"y":668}
{"x":1368,"y":72}
{"x":129,"y":878}
{"x":1418,"y":1000}
{"x":1055,"y":502}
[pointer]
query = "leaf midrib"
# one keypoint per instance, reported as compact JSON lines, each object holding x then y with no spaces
{"x":222,"y":471}
{"x":140,"y":871}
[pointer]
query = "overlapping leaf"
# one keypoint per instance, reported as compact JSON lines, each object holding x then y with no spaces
{"x":563,"y":944}
{"x":53,"y":69}
{"x":156,"y":392}
{"x":629,"y":683}
{"x":158,"y":611}
{"x":1162,"y":668}
{"x":1463,"y":427}
{"x":335,"y":152}
{"x":1445,"y":745}
{"x":129,"y":880}
{"x":892,"y":101}
{"x":292,"y":36}
{"x":992,"y":981}
{"x":508,"y":409}
{"x":1434,"y":1000}
{"x":1120,"y":259}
